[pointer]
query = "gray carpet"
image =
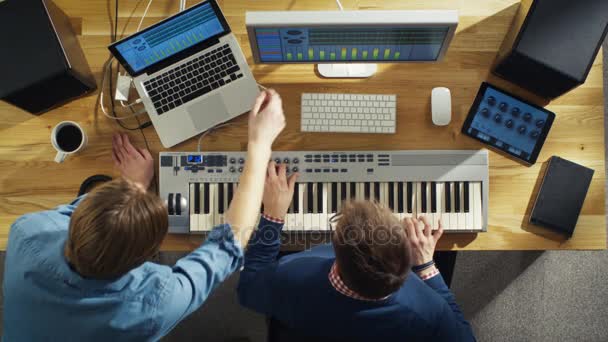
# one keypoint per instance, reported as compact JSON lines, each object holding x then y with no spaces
{"x":507,"y":296}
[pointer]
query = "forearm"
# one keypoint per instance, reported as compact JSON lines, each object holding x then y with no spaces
{"x":255,"y":289}
{"x":264,"y":245}
{"x":245,"y":206}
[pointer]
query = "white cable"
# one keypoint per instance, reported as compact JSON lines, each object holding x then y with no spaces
{"x":126,"y":105}
{"x":144,"y":15}
{"x":182,"y":5}
{"x":261,"y":86}
{"x":339,"y":5}
{"x":101,"y":100}
{"x":198,"y":146}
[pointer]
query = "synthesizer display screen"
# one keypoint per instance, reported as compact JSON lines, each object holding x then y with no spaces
{"x":306,"y":45}
{"x":170,"y":37}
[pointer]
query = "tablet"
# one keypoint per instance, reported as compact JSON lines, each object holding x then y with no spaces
{"x":508,"y":123}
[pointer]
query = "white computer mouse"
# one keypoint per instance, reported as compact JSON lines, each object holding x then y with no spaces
{"x":441,"y":106}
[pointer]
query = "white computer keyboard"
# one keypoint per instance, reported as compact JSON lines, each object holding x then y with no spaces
{"x":348,"y":113}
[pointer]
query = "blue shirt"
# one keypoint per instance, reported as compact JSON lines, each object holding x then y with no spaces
{"x":44,"y":299}
{"x":296,"y":291}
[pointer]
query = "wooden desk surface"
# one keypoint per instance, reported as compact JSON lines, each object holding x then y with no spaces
{"x":31,"y":181}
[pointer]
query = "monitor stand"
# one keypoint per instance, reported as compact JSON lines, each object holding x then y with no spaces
{"x":347,"y":70}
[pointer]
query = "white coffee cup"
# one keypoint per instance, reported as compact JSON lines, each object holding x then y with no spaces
{"x":67,"y":138}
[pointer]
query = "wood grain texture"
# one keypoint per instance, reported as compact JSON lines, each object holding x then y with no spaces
{"x":31,"y":181}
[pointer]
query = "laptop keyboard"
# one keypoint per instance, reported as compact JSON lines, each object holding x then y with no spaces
{"x":193,"y":79}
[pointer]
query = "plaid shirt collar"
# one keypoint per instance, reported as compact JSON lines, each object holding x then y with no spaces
{"x":338,"y":284}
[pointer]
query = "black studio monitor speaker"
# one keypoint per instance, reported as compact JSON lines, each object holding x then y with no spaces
{"x":41,"y":65}
{"x":552,"y":44}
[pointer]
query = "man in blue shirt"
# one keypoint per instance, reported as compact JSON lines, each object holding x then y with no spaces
{"x":359,"y":289}
{"x":79,"y":272}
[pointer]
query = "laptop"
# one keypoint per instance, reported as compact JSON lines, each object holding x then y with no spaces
{"x":189,"y":71}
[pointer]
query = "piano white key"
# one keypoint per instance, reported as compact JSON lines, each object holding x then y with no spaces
{"x":444,"y":216}
{"x":469,"y":220}
{"x":348,"y":195}
{"x":384,"y":194}
{"x":427,"y":194}
{"x":323,"y":223}
{"x":299,"y":217}
{"x":437,"y":213}
{"x":402,"y":213}
{"x":202,"y":218}
{"x":453,"y":215}
{"x":211,"y":219}
{"x":405,"y":214}
{"x":307,"y":216}
{"x":360,"y":192}
{"x":461,"y":216}
{"x":419,"y":211}
{"x":191,"y":205}
{"x":315,"y":216}
{"x":217,"y":217}
{"x":476,"y":208}
{"x":396,"y":213}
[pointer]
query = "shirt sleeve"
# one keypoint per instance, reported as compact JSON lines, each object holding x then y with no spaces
{"x":257,"y":283}
{"x":452,"y":326}
{"x":194,"y":276}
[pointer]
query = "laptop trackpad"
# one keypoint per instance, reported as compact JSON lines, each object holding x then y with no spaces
{"x":207,"y":113}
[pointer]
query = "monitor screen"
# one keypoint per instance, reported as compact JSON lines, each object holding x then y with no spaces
{"x":170,"y":37}
{"x":352,"y":44}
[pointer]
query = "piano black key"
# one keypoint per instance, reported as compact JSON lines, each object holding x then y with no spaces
{"x":400,"y":197}
{"x":206,"y":199}
{"x":230,"y":190}
{"x":310,"y":197}
{"x":178,"y":204}
{"x":319,"y":197}
{"x":465,"y":196}
{"x":197,"y":198}
{"x":334,"y":197}
{"x":353,"y":190}
{"x":457,"y":197}
{"x":391,"y":195}
{"x":170,"y":202}
{"x":343,"y":192}
{"x":366,"y":190}
{"x":410,"y":192}
{"x":296,"y":199}
{"x":377,"y":191}
{"x":423,"y":196}
{"x":448,"y":197}
{"x":220,"y":198}
{"x":433,"y":197}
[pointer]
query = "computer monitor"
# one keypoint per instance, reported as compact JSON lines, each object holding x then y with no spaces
{"x":350,"y":43}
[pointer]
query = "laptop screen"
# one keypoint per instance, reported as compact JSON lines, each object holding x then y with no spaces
{"x":169,"y":37}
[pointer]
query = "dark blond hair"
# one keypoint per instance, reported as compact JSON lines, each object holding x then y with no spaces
{"x":115,"y":228}
{"x":372,"y":252}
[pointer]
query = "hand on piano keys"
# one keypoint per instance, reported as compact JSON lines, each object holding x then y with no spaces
{"x":278,"y":190}
{"x":457,"y":204}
